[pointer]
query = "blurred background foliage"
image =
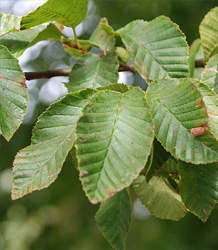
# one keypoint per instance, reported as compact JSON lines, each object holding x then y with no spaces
{"x":61,"y":217}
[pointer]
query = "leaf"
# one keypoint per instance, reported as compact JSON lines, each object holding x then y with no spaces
{"x":160,"y":156}
{"x":8,"y":23}
{"x":171,"y":166}
{"x":71,"y":47}
{"x":160,"y":198}
{"x":118,"y":87}
{"x":199,"y":188}
{"x":113,"y":219}
{"x":194,"y":49}
{"x":177,"y":108}
{"x":13,"y":94}
{"x":17,"y":42}
{"x":114,"y":138}
{"x":157,"y":49}
{"x":209,"y":34}
{"x":67,"y":12}
{"x":122,"y":54}
{"x":100,"y":36}
{"x":107,"y":28}
{"x":210,"y":73}
{"x":51,"y":32}
{"x":211,"y":102}
{"x":38,"y":165}
{"x":92,"y":71}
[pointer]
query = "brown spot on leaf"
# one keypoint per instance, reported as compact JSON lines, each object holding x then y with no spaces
{"x":205,"y":213}
{"x":111,"y":190}
{"x":24,"y":82}
{"x":210,"y":70}
{"x":93,"y":201}
{"x":198,"y":131}
{"x":112,"y":194}
{"x":59,"y":26}
{"x":35,"y":159}
{"x":84,"y":172}
{"x":1,"y":77}
{"x":42,"y":184}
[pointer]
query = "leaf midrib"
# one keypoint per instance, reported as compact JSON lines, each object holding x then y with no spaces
{"x":97,"y":72}
{"x":112,"y":136}
{"x":204,"y":145}
{"x":153,"y":57}
{"x":58,"y":14}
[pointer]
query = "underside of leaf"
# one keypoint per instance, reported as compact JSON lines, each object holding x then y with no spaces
{"x":160,"y":198}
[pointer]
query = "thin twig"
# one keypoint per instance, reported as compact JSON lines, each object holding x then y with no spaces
{"x":66,"y":72}
{"x":47,"y":74}
{"x":199,"y":64}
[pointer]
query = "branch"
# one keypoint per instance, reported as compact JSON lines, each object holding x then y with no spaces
{"x":65,"y":72}
{"x":47,"y":74}
{"x":199,"y":64}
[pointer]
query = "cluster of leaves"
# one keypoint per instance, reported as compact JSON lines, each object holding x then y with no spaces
{"x":163,"y":141}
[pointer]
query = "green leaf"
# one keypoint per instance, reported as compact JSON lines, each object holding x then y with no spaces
{"x":71,"y":47}
{"x":194,"y":49}
{"x":118,"y":87}
{"x":210,"y":73}
{"x":113,"y":219}
{"x":171,"y":166}
{"x":8,"y":23}
{"x":107,"y":28}
{"x":93,"y":71}
{"x":13,"y":94}
{"x":160,"y":198}
{"x":211,"y":102}
{"x":122,"y":54}
{"x":67,"y":12}
{"x":17,"y":42}
{"x":199,"y":188}
{"x":38,"y":165}
{"x":160,"y":156}
{"x":179,"y":114}
{"x":209,"y":34}
{"x":114,"y":138}
{"x":157,"y":49}
{"x":100,"y":37}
